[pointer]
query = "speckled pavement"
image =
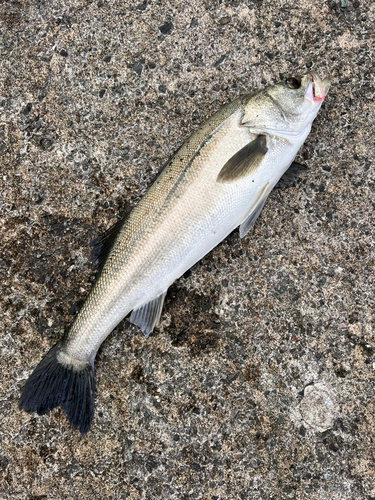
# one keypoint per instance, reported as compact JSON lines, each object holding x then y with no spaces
{"x":259,"y":381}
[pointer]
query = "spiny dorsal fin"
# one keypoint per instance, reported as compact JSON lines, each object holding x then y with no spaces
{"x":245,"y":161}
{"x":104,"y":244}
{"x":148,"y":315}
{"x":291,"y":175}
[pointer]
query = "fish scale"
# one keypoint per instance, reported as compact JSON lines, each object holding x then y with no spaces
{"x":219,"y":179}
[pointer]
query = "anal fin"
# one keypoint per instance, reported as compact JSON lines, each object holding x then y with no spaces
{"x":148,"y":315}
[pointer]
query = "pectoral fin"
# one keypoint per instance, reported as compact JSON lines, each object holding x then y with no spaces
{"x":148,"y":315}
{"x":245,"y":161}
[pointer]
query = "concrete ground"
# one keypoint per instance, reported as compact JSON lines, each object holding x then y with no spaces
{"x":259,"y":381}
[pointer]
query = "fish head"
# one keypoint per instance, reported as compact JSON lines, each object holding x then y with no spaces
{"x":287,"y":109}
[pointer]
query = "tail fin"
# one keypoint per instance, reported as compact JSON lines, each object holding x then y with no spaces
{"x":59,"y":381}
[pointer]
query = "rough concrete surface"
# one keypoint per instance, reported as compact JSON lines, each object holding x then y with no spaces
{"x":259,"y":381}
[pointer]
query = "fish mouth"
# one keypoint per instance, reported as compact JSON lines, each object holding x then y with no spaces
{"x":317,"y":89}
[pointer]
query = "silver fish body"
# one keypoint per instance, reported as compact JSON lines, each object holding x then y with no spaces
{"x":218,"y":180}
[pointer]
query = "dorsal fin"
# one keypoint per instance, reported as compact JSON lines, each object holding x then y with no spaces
{"x":104,"y":244}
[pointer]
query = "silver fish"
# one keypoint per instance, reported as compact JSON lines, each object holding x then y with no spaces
{"x":218,"y":180}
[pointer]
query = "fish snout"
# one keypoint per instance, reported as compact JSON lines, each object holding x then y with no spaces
{"x":317,"y":89}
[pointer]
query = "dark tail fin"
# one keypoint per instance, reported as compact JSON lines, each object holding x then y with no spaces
{"x":55,"y":384}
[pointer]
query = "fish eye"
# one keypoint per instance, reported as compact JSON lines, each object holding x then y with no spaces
{"x":293,"y":83}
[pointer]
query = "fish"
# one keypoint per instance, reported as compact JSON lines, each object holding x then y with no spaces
{"x":218,"y":180}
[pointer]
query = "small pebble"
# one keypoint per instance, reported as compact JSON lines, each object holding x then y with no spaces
{"x":166,"y":28}
{"x":318,"y":407}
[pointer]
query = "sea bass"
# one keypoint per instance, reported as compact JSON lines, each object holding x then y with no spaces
{"x":219,"y":179}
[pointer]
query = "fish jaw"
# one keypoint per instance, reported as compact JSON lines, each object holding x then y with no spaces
{"x":317,"y":89}
{"x":286,"y":112}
